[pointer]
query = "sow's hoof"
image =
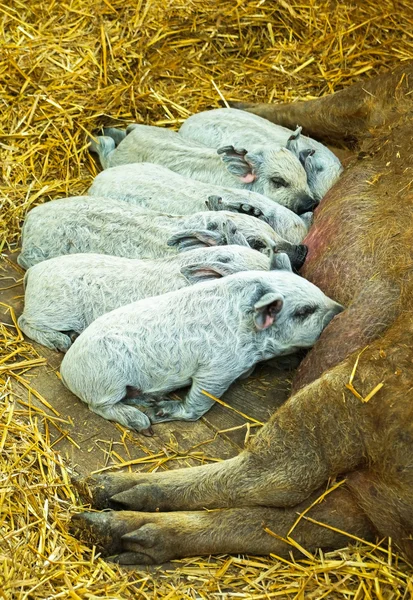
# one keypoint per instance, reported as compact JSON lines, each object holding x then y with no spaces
{"x":129,"y":538}
{"x":97,"y":490}
{"x":96,"y":529}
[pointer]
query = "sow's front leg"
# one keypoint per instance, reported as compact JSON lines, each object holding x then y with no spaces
{"x":148,"y":538}
{"x":346,"y":114}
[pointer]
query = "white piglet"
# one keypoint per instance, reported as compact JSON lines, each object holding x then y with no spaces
{"x":272,"y":171}
{"x":222,"y":126}
{"x":154,"y":187}
{"x":65,"y":294}
{"x":87,"y":224}
{"x":205,"y":336}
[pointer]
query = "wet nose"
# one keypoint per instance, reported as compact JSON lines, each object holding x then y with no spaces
{"x":300,"y":255}
{"x":306,"y":204}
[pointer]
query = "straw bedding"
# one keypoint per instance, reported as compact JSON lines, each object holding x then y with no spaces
{"x":65,"y":69}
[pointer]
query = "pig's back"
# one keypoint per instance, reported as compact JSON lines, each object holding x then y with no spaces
{"x":88,"y":224}
{"x":150,"y":144}
{"x":223,"y":126}
{"x":159,"y":342}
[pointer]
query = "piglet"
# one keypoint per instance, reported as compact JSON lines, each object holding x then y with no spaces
{"x":272,"y":170}
{"x":86,"y":224}
{"x":65,"y":294}
{"x":205,"y":336}
{"x":154,"y":187}
{"x":216,"y":128}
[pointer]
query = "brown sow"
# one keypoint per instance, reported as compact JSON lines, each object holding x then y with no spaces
{"x":351,"y":413}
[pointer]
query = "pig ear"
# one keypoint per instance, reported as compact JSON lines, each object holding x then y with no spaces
{"x":305,"y":157}
{"x":238,"y":163}
{"x":204,"y":272}
{"x":279,"y":261}
{"x":292,"y":142}
{"x":230,"y":233}
{"x":233,"y":236}
{"x":266,"y":310}
{"x":191,"y":238}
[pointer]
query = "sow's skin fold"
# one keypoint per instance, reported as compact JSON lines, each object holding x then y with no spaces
{"x":360,"y":253}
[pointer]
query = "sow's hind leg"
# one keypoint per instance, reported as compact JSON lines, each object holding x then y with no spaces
{"x":322,"y":431}
{"x":150,"y":538}
{"x":284,"y":464}
{"x":346,"y":114}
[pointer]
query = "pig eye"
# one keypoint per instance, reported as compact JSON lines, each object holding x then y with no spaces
{"x":256,"y":244}
{"x":223,"y":259}
{"x":212,"y":226}
{"x":304,"y":312}
{"x":279,"y":182}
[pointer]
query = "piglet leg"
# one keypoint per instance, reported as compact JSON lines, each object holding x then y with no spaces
{"x":148,"y":538}
{"x":55,"y":340}
{"x":126,"y":415}
{"x":217,"y":203}
{"x":195,"y":403}
{"x":117,"y":135}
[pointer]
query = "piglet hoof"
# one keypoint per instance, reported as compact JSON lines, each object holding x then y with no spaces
{"x":165,"y":410}
{"x":73,"y":335}
{"x":147,"y":432}
{"x":251,"y":210}
{"x":152,"y":401}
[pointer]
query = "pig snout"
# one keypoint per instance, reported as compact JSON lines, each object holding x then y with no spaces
{"x":295,"y":252}
{"x":334,"y":311}
{"x":306,"y":204}
{"x":297,"y":256}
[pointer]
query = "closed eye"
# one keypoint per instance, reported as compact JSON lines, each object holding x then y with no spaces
{"x":279,"y":182}
{"x":256,"y":244}
{"x":304,"y":311}
{"x":223,"y":259}
{"x":212,"y":226}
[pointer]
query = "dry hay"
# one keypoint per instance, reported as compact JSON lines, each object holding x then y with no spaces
{"x":66,"y":67}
